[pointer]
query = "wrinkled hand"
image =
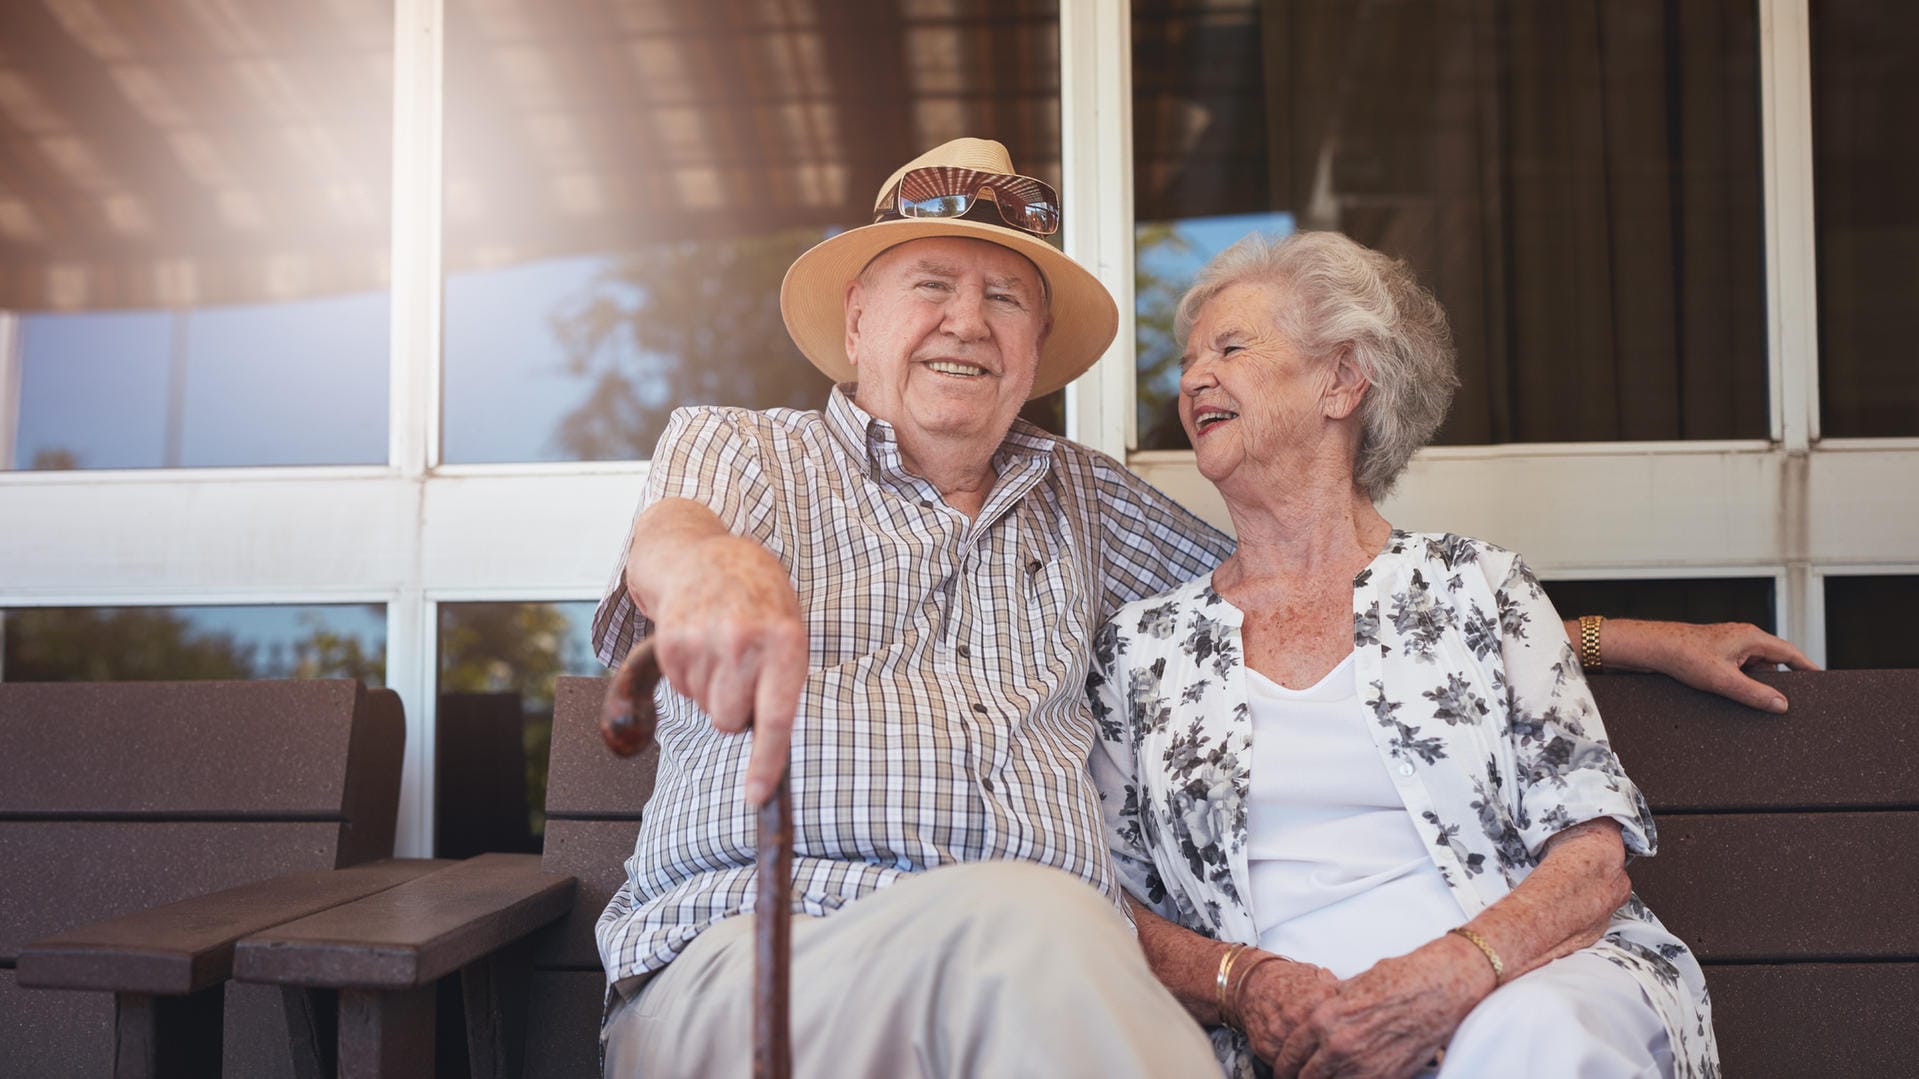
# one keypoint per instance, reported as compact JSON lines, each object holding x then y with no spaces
{"x":735,"y":643}
{"x":1276,"y":999}
{"x":1714,"y":658}
{"x":1387,"y":1022}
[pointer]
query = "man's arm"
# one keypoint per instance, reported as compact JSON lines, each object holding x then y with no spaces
{"x":729,"y":633}
{"x":1709,"y":657}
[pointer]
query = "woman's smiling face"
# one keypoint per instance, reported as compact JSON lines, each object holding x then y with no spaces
{"x":1246,"y":392}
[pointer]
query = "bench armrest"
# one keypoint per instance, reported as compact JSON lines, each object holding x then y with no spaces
{"x":413,"y":934}
{"x":187,"y":946}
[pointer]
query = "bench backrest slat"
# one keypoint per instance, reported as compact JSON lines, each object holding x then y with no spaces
{"x":583,"y":780}
{"x":66,"y":873}
{"x":178,"y":749}
{"x":1848,"y":741}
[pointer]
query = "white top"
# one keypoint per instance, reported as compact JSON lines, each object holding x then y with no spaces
{"x":1339,"y":875}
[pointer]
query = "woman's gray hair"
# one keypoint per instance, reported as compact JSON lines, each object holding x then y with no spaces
{"x":1341,"y":296}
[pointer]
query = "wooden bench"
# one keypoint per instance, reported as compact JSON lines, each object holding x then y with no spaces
{"x":1788,"y":860}
{"x":120,"y":798}
{"x":517,"y":929}
{"x":369,"y":969}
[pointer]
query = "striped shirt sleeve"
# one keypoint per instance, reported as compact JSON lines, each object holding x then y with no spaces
{"x":706,"y":455}
{"x":1149,"y":543}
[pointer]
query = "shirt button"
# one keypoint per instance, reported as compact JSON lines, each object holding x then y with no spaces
{"x":986,"y":784}
{"x":965,"y":652}
{"x":980,"y":708}
{"x":1405,"y":769}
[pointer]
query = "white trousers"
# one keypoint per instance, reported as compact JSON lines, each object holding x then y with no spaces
{"x":998,"y":969}
{"x":1579,"y":1017}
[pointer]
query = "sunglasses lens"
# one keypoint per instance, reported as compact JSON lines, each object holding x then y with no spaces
{"x":936,"y":206}
{"x":1036,"y":217}
{"x":1042,"y":219}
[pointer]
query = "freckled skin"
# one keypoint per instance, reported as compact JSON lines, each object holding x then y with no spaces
{"x":1284,"y":465}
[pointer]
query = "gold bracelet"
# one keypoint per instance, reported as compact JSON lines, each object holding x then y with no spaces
{"x":1477,"y":941}
{"x":1589,"y":643}
{"x":1223,"y":979}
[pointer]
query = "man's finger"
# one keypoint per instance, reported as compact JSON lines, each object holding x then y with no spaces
{"x":782,"y":675}
{"x":772,"y":743}
{"x":729,"y":696}
{"x":685,"y":666}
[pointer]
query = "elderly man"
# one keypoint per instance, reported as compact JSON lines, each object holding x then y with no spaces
{"x":916,"y":574}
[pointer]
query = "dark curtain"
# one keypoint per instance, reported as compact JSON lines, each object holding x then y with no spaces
{"x":1864,"y":94}
{"x":1578,"y":182}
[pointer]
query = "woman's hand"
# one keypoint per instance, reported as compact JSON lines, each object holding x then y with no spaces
{"x":1387,"y":1022}
{"x":1714,"y":658}
{"x":1276,"y":999}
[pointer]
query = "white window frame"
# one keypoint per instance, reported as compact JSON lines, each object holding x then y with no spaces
{"x":1791,"y":506}
{"x":415,"y":533}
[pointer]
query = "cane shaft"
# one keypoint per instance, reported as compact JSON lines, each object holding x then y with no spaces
{"x":627,"y":721}
{"x":773,"y":939}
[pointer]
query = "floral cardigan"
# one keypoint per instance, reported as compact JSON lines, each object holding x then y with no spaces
{"x":1482,"y":718}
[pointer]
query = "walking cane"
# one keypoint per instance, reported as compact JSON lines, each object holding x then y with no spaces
{"x":627,"y":720}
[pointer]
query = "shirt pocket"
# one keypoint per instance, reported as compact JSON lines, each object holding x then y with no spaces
{"x":1052,"y":616}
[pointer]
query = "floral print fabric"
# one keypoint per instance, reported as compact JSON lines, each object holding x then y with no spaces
{"x":1481,"y":715}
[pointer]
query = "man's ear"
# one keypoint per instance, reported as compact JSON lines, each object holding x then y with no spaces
{"x":1345,"y":389}
{"x":854,"y":304}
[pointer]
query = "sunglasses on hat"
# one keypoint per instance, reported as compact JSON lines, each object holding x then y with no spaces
{"x":945,"y":191}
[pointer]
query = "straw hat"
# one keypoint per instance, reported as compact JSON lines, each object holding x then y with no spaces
{"x":812,"y":298}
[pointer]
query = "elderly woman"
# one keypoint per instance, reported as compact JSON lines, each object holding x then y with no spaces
{"x":1358,"y":769}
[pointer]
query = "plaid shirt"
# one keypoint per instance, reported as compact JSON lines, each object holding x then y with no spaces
{"x":945,"y":716}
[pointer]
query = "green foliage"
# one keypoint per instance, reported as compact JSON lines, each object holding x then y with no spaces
{"x":681,"y":323}
{"x":510,"y":648}
{"x":94,"y":644}
{"x":324,"y":653}
{"x":108,"y":644}
{"x":1156,"y":300}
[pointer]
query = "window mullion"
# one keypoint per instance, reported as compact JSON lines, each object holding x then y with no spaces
{"x":1096,"y":165}
{"x":418,"y":167}
{"x":1785,"y":77}
{"x":9,"y":387}
{"x":419,"y":89}
{"x":410,"y":672}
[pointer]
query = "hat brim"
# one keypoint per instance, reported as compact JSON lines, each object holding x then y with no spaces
{"x":813,"y":296}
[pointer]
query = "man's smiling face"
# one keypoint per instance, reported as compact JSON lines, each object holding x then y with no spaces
{"x":945,"y":334}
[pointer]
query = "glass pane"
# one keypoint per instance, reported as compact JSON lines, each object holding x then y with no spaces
{"x":628,"y":182}
{"x":128,"y":644}
{"x":1580,"y":185}
{"x":1711,"y":599}
{"x":1869,"y":622}
{"x":1864,"y":92}
{"x":194,"y":232}
{"x":498,"y":662}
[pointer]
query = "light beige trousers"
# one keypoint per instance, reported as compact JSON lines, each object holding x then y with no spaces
{"x":998,"y":969}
